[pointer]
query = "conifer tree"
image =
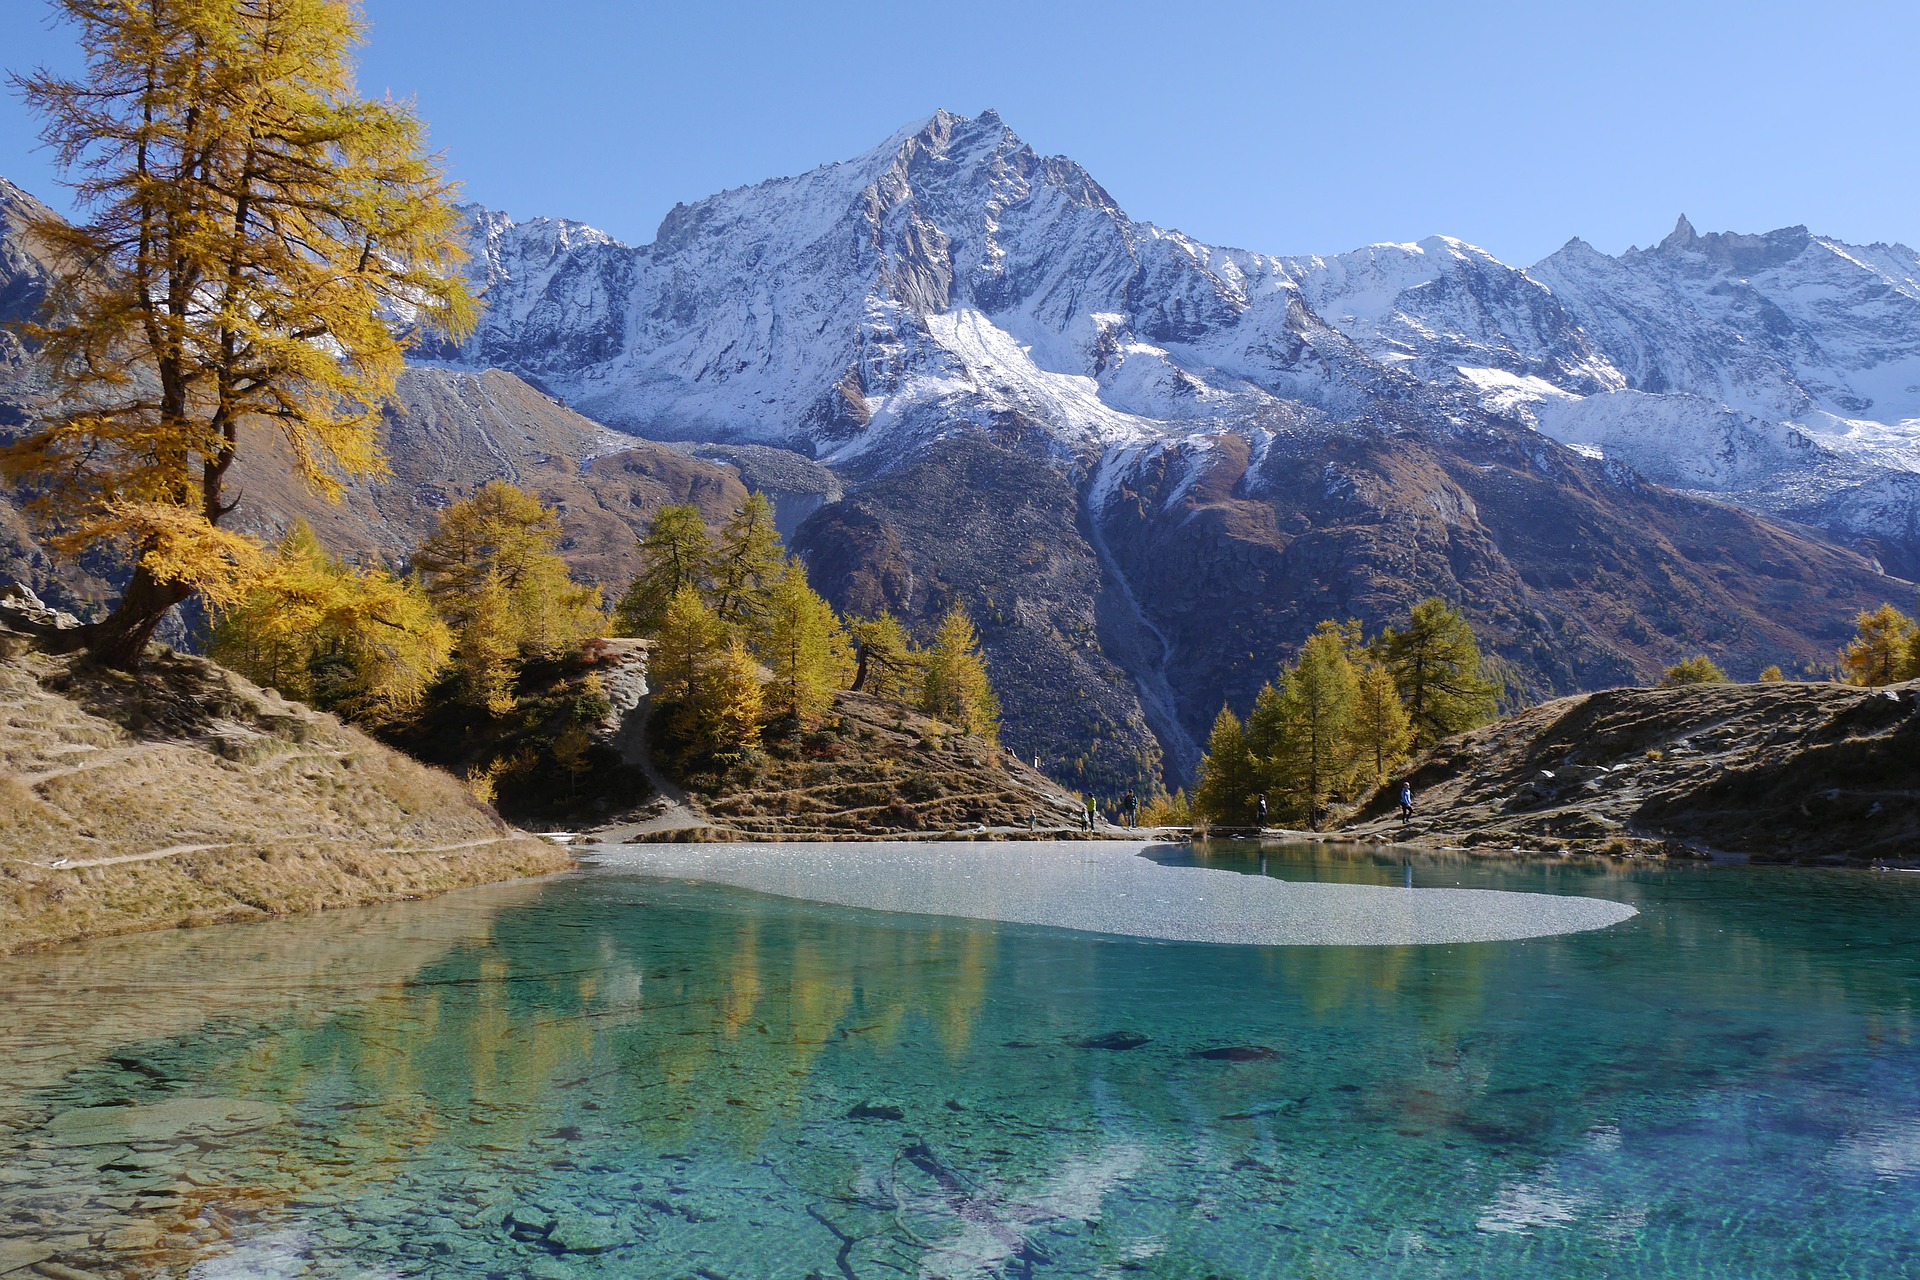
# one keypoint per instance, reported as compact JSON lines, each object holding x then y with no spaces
{"x":570,"y":751}
{"x":1381,"y":733}
{"x":1314,"y":761}
{"x":251,"y":227}
{"x":676,"y":552}
{"x":956,"y":688}
{"x":358,"y":641}
{"x":1771,"y":675}
{"x":1266,"y":726}
{"x":1697,"y":670}
{"x":1437,"y":667}
{"x":745,"y":565}
{"x":1163,"y":810}
{"x":487,"y":648}
{"x":806,"y":647}
{"x":731,"y":700}
{"x":1883,"y":649}
{"x":888,"y":665}
{"x":491,"y":568}
{"x":1229,"y":775}
{"x":691,"y":639}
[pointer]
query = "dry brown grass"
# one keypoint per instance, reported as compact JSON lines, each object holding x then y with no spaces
{"x":300,"y":811}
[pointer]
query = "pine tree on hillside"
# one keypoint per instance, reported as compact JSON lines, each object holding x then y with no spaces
{"x":1437,"y":667}
{"x":691,"y":639}
{"x":730,"y":700}
{"x":1266,"y":726}
{"x":888,"y":665}
{"x":1885,"y":648}
{"x":805,"y":645}
{"x":675,"y":552}
{"x":745,"y":564}
{"x":252,"y":226}
{"x":956,"y":688}
{"x":1229,"y":775}
{"x":487,"y":649}
{"x":1696,"y":670}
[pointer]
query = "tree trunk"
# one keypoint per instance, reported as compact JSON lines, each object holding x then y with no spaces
{"x":120,"y":639}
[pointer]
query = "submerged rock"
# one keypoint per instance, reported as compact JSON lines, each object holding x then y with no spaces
{"x":870,"y":1111}
{"x":1116,"y":1040}
{"x":1238,"y":1053}
{"x":17,"y":1255}
{"x":577,"y":1233}
{"x":181,"y":1118}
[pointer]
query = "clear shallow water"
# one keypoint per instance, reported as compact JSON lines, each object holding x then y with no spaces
{"x":609,"y":1075}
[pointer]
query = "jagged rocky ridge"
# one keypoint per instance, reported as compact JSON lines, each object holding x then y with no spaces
{"x":953,"y":277}
{"x":1150,"y":465}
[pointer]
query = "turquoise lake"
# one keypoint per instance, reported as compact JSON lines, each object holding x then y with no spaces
{"x":617,"y":1074}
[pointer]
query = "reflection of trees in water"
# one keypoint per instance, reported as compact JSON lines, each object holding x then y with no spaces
{"x":605,"y":1023}
{"x":74,"y":1004}
{"x":690,"y":1025}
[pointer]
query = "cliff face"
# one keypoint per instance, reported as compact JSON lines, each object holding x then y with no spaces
{"x":187,"y":795}
{"x":1777,"y":772}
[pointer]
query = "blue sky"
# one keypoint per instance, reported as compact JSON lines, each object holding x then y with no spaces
{"x":1286,"y":128}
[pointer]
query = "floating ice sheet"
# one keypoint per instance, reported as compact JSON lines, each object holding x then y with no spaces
{"x":1106,"y":887}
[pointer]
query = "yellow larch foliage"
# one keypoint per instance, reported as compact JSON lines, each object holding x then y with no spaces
{"x":258,"y":243}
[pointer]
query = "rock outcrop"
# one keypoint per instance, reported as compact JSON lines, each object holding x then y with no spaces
{"x":1776,"y":772}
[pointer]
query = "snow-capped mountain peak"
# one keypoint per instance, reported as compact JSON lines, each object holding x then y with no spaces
{"x":953,"y":279}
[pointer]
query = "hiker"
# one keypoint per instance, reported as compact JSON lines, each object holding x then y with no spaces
{"x":1089,"y":815}
{"x":1033,"y":821}
{"x":1132,"y":808}
{"x":1260,"y":812}
{"x":1406,"y":801}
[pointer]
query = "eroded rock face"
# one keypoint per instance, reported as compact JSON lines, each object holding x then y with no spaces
{"x":22,"y":610}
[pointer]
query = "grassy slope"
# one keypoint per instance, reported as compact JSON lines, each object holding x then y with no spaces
{"x":190,"y":796}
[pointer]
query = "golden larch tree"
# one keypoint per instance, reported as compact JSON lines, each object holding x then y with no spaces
{"x":956,"y":687}
{"x":806,"y":648}
{"x":1883,"y":648}
{"x":492,"y":566}
{"x":258,"y":244}
{"x":887,"y":663}
{"x":355,"y":640}
{"x":731,"y":699}
{"x":675,"y":552}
